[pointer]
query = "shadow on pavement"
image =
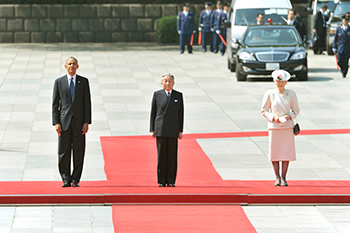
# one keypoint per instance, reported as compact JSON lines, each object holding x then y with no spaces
{"x":322,"y":70}
{"x":293,"y":79}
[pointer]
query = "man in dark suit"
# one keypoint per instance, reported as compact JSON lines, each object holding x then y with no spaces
{"x":167,"y":116}
{"x":71,"y":116}
{"x":319,"y":28}
{"x":297,"y":24}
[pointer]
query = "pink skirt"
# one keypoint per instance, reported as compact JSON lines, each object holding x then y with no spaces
{"x":281,"y":145}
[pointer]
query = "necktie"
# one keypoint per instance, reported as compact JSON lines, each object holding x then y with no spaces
{"x":168,"y":95}
{"x":71,"y":88}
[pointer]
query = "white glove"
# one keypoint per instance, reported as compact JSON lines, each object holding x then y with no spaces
{"x":334,"y":51}
{"x":194,"y":31}
{"x":217,"y":32}
{"x":200,"y":29}
{"x":179,"y":32}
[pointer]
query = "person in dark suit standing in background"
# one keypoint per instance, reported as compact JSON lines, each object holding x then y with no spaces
{"x":185,"y":27}
{"x":71,"y":116}
{"x":215,"y":24}
{"x":204,"y":27}
{"x":319,"y":28}
{"x":260,"y":19}
{"x":166,"y":124}
{"x":297,"y":24}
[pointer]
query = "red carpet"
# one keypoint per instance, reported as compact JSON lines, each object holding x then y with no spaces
{"x":181,"y":218}
{"x":130,"y":165}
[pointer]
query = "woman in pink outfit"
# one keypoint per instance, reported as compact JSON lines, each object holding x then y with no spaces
{"x":280,"y":107}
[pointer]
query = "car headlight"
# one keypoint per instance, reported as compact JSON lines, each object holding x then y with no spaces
{"x":298,"y":56}
{"x":246,"y":56}
{"x":332,"y":28}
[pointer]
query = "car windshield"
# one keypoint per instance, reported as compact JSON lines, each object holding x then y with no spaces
{"x":245,"y":17}
{"x":330,"y":3}
{"x":270,"y":36}
{"x":341,"y":8}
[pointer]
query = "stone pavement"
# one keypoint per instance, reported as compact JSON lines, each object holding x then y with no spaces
{"x":123,"y":78}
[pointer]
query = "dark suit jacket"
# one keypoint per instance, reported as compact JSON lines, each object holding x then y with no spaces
{"x":342,"y":40}
{"x":63,"y":107}
{"x":300,"y":28}
{"x":318,"y":23}
{"x":167,"y":118}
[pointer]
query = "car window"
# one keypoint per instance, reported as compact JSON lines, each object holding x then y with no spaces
{"x":244,"y":17}
{"x":330,"y":3}
{"x":341,"y":8}
{"x":270,"y":36}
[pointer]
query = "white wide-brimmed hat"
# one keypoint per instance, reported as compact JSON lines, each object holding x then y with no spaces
{"x":280,"y":75}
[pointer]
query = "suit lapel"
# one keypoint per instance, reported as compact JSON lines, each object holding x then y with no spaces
{"x":164,"y":101}
{"x":66,"y":86}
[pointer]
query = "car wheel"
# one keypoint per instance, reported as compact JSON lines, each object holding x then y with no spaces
{"x":302,"y":76}
{"x":329,"y":48}
{"x":231,"y":66}
{"x":240,"y":77}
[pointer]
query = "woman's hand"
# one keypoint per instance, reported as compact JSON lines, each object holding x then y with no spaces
{"x":289,"y":117}
{"x":275,"y":118}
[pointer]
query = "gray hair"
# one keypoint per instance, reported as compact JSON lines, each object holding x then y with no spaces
{"x":71,"y":57}
{"x":168,"y":74}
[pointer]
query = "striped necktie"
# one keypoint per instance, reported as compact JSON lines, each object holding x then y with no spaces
{"x":71,"y":88}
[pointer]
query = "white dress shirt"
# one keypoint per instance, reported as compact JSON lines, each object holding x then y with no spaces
{"x":166,"y":92}
{"x":69,"y":78}
{"x":290,"y":22}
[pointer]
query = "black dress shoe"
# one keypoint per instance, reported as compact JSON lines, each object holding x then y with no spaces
{"x":161,"y":185}
{"x":171,"y":185}
{"x":66,"y":184}
{"x":75,"y":184}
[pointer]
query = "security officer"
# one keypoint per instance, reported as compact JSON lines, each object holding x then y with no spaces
{"x":341,"y":45}
{"x":204,"y":26}
{"x":185,"y":27}
{"x":213,"y":25}
{"x":224,"y":17}
{"x":220,"y":30}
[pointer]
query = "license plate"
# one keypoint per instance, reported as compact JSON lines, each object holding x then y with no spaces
{"x":272,"y":66}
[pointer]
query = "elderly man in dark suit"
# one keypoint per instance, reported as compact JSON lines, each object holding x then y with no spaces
{"x":167,"y":116}
{"x":319,"y":28}
{"x":71,"y":116}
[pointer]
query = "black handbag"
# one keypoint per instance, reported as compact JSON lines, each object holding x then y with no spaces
{"x":296,"y":129}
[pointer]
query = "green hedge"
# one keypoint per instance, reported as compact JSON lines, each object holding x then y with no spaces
{"x":99,"y":1}
{"x":167,"y":33}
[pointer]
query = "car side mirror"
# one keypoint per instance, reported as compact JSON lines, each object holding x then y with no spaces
{"x":227,"y":24}
{"x":236,"y":42}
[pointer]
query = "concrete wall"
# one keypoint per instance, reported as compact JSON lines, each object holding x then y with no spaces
{"x":84,"y":23}
{"x":81,"y":23}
